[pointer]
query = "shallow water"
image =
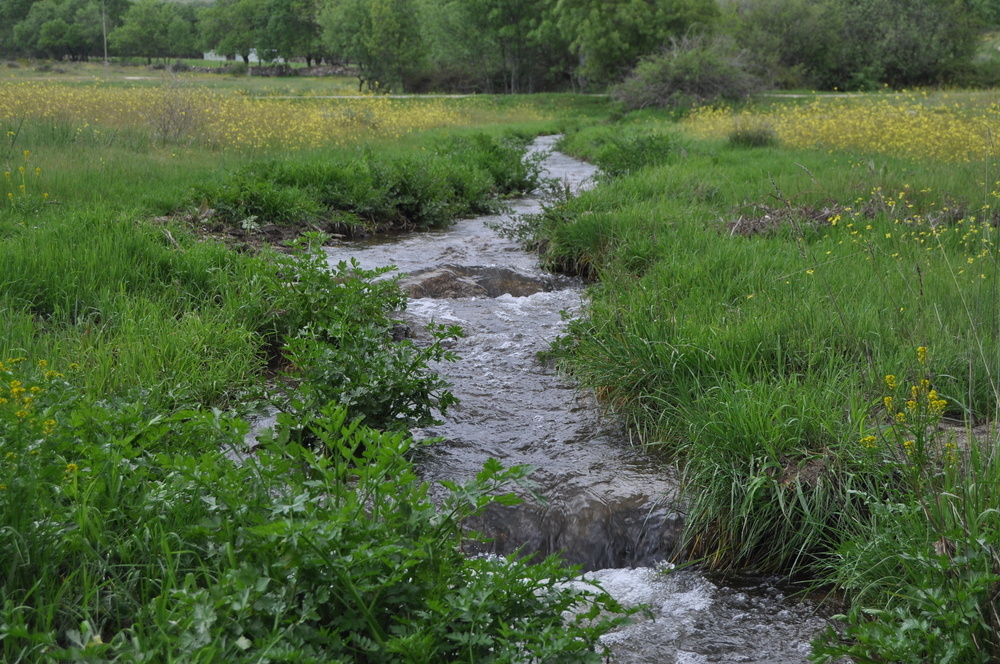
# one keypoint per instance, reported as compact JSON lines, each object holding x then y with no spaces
{"x":611,"y":508}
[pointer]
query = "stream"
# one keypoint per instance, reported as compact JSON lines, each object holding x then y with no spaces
{"x":611,"y":508}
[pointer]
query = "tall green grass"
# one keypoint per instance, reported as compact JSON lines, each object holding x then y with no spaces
{"x":748,"y":305}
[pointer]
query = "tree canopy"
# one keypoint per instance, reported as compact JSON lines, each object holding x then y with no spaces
{"x":521,"y":45}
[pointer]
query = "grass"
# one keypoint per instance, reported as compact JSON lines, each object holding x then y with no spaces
{"x":137,"y":523}
{"x":749,"y":303}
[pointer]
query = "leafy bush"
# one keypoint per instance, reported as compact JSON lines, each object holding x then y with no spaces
{"x":253,"y":196}
{"x":342,"y":351}
{"x":694,"y":70}
{"x":627,"y":152}
{"x":131,"y":536}
{"x":621,"y":150}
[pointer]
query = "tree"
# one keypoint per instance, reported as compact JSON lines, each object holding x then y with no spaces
{"x":876,"y":46}
{"x":292,"y":30}
{"x":61,"y":29}
{"x":144,"y":31}
{"x":499,"y":42}
{"x":987,"y":12}
{"x":382,"y":37}
{"x":393,"y":43}
{"x":609,"y":36}
{"x":12,"y":12}
{"x":790,"y":40}
{"x":182,"y":33}
{"x":235,"y":27}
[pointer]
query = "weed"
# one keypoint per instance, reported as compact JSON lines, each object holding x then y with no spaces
{"x":22,"y":188}
{"x":352,"y":359}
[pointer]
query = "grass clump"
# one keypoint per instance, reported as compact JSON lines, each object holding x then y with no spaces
{"x":460,"y":177}
{"x":752,"y":135}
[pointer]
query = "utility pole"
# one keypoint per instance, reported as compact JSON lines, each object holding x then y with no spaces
{"x":104,"y":33}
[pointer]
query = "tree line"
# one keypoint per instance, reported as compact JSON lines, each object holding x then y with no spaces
{"x":519,"y":46}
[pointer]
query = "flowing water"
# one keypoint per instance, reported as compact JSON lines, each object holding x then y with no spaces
{"x":610,"y":508}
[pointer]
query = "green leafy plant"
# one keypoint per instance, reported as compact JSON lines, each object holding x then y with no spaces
{"x":135,"y":536}
{"x":342,"y":350}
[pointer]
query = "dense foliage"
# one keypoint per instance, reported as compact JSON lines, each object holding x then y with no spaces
{"x":519,"y":45}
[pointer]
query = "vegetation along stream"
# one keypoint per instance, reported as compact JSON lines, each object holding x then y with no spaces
{"x":610,"y":508}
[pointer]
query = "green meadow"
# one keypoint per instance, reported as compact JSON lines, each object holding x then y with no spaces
{"x":803,"y":321}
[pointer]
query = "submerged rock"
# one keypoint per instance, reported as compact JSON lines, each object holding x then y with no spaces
{"x":458,"y":281}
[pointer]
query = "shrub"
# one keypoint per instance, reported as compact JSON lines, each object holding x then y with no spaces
{"x":694,"y":70}
{"x":341,"y":347}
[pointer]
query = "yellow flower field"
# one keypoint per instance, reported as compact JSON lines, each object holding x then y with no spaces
{"x":920,"y":125}
{"x":200,"y":116}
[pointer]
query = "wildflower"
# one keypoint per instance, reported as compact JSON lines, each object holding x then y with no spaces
{"x":890,"y":380}
{"x":901,"y":417}
{"x":810,"y":271}
{"x":868,"y":441}
{"x":922,"y":354}
{"x":71,"y":468}
{"x":908,"y":446}
{"x":888,"y":403}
